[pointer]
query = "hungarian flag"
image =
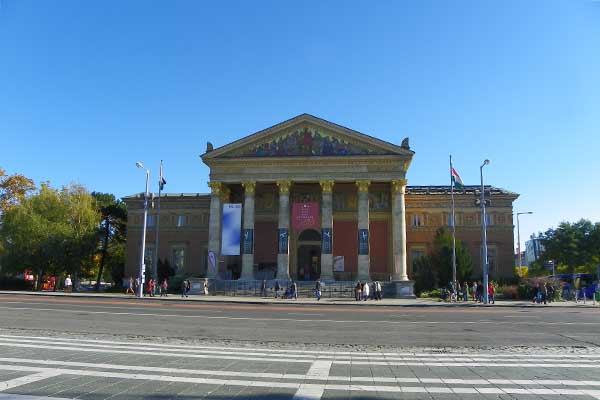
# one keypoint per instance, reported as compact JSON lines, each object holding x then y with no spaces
{"x":458,"y":183}
{"x":161,"y":180}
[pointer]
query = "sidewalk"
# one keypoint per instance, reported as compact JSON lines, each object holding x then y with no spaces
{"x":418,"y":302}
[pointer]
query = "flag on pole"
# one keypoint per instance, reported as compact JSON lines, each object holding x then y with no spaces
{"x":161,"y":180}
{"x":458,"y":183}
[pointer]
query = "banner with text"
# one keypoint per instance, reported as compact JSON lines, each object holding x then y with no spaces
{"x":231,"y":229}
{"x":305,"y":216}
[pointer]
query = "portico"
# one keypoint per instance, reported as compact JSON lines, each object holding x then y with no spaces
{"x":312,"y":192}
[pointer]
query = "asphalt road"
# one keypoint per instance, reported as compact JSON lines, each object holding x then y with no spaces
{"x":92,"y":348}
{"x":393,"y":326}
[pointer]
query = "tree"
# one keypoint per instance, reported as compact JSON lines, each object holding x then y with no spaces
{"x":573,"y":245}
{"x":52,"y":231}
{"x":13,"y":189}
{"x":112,"y":230}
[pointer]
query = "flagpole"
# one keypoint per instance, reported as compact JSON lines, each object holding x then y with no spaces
{"x":453,"y":229}
{"x":155,"y":265}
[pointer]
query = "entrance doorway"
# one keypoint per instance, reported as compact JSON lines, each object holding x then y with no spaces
{"x":309,"y":255}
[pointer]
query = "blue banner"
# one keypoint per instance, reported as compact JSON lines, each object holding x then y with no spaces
{"x":363,"y":242}
{"x":326,"y":232}
{"x":283,"y":240}
{"x":231,"y":232}
{"x":248,"y":241}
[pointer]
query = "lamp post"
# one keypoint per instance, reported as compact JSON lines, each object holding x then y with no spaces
{"x":484,"y":260}
{"x":519,"y":238}
{"x":143,"y":251}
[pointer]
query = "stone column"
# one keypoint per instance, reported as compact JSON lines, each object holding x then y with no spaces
{"x":283,"y":253}
{"x":399,"y":230}
{"x":363,"y":230}
{"x":214,"y":230}
{"x":327,"y":230}
{"x":248,"y":234}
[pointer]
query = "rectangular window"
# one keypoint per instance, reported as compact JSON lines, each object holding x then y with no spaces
{"x":150,"y":221}
{"x":418,"y":220}
{"x":415,"y":254}
{"x":492,"y":259}
{"x":178,"y":259}
{"x":181,"y":220}
{"x":488,"y":219}
{"x":149,"y":257}
{"x":450,"y":222}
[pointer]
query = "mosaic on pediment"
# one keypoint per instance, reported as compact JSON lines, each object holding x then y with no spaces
{"x":305,"y":141}
{"x":264,"y":202}
{"x":379,"y":200}
{"x":306,"y":197}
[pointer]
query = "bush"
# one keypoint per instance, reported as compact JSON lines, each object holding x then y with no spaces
{"x":507,"y":292}
{"x":434,"y":293}
{"x":12,"y":283}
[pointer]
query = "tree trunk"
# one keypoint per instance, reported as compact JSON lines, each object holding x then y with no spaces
{"x":104,"y":251}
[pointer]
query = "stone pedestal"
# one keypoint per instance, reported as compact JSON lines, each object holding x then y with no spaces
{"x":400,"y":290}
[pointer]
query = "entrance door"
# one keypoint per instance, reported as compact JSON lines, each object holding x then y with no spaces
{"x":309,"y":255}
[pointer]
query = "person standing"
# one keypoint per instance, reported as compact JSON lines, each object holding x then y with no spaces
{"x":130,"y":286}
{"x":466,"y":291}
{"x":474,"y":291}
{"x":68,"y":284}
{"x":277,"y":289}
{"x":358,"y":291}
{"x":378,"y":290}
{"x":318,"y":289}
{"x":184,"y":288}
{"x":205,"y":286}
{"x":366,"y":291}
{"x":295,"y":290}
{"x":491,"y":292}
{"x":164,"y":286}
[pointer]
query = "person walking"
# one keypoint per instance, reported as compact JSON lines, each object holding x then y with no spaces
{"x":295,"y":290}
{"x":277,"y":289}
{"x":205,"y":286}
{"x":366,"y":291}
{"x":358,"y":291}
{"x":466,"y":291}
{"x":474,"y":291}
{"x":150,"y":287}
{"x":184,"y":288}
{"x":491,"y":291}
{"x":318,"y":289}
{"x":130,"y":286}
{"x":164,"y":286}
{"x":68,"y":284}
{"x":377,"y":290}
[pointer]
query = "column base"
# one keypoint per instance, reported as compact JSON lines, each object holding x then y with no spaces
{"x":247,"y":267}
{"x":400,"y":290}
{"x":327,"y":267}
{"x":283,"y":267}
{"x":363,"y":268}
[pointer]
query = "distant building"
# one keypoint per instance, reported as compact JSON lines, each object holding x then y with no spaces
{"x":317,"y":200}
{"x":534,"y":248}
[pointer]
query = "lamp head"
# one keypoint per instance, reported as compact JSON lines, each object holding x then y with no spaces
{"x":139,"y":165}
{"x":486,"y":162}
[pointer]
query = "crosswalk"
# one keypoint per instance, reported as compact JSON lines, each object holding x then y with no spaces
{"x":36,"y":366}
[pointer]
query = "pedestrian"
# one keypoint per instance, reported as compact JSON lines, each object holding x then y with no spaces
{"x":294,"y":290}
{"x":377,"y":290}
{"x":277,"y":289}
{"x":184,"y":288}
{"x":164,"y":286}
{"x":366,"y":291}
{"x":68,"y":284}
{"x":466,"y":291}
{"x":205,"y":286}
{"x":150,"y":287}
{"x":130,"y":286}
{"x":458,"y":291}
{"x":474,"y":291}
{"x":544,"y":293}
{"x":136,"y":286}
{"x":318,"y":289}
{"x":263,"y":288}
{"x":372,"y":290}
{"x":358,"y":291}
{"x":491,"y":291}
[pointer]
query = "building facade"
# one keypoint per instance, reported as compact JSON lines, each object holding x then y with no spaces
{"x":317,"y":200}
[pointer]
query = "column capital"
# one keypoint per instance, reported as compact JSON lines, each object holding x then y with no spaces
{"x":363,"y":186}
{"x":225,"y":192}
{"x":284,"y":186}
{"x":399,"y":186}
{"x":249,"y":187}
{"x":327,"y":186}
{"x":215,"y":187}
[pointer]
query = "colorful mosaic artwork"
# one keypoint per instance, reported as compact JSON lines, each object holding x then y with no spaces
{"x":305,"y":142}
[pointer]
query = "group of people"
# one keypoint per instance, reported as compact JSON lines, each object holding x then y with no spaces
{"x":290,"y":292}
{"x":133,"y":286}
{"x":474,"y":292}
{"x":543,"y":293}
{"x":365,"y":291}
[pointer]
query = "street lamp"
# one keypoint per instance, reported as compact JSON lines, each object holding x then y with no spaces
{"x":142,"y":261}
{"x":484,"y":260}
{"x":519,"y":237}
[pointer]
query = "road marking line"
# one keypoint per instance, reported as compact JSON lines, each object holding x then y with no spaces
{"x":534,"y":323}
{"x":295,"y":360}
{"x":290,"y":385}
{"x":288,"y":352}
{"x":24,"y":380}
{"x":320,"y":369}
{"x":313,"y":374}
{"x":5,"y":396}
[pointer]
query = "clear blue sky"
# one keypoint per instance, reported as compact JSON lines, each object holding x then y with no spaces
{"x":87,"y":88}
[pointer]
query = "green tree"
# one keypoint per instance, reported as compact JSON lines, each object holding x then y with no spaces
{"x":441,"y":258}
{"x":111,"y":231}
{"x":50,"y":232}
{"x":573,"y":245}
{"x":13,"y":189}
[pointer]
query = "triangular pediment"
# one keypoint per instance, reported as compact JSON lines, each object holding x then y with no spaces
{"x":305,"y":136}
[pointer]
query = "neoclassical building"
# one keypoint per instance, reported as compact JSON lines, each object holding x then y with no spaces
{"x":308,"y":199}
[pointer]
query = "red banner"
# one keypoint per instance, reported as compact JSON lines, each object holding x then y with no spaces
{"x":305,"y":216}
